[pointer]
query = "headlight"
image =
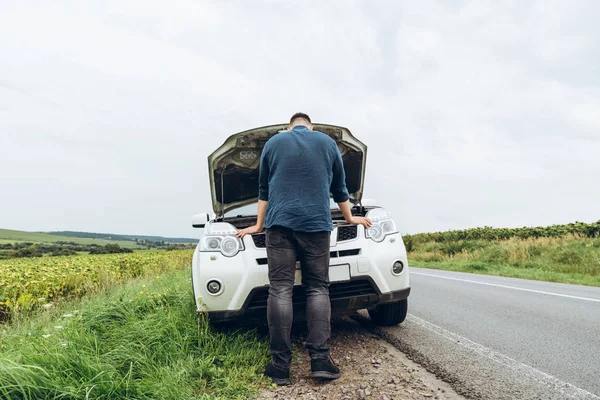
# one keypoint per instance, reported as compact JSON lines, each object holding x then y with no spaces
{"x":213,"y":243}
{"x":375,"y":232}
{"x":220,"y":236}
{"x":383,"y":224}
{"x":230,"y":246}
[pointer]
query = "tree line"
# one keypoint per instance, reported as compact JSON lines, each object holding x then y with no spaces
{"x":591,"y":230}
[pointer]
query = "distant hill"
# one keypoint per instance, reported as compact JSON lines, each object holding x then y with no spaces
{"x":118,"y":237}
{"x":13,"y":236}
{"x":86,"y":238}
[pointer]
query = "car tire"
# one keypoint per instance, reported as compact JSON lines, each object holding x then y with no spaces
{"x":389,"y":314}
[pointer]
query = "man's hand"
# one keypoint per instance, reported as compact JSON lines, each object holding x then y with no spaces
{"x":249,"y":231}
{"x":366,"y":222}
{"x":351,"y":219}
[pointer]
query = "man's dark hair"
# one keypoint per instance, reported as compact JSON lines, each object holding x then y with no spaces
{"x":300,"y":115}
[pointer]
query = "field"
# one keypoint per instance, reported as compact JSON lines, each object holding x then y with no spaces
{"x":20,"y":244}
{"x":120,"y":326}
{"x":560,"y":253}
{"x":138,"y":340}
{"x":12,"y":236}
{"x":28,"y":283}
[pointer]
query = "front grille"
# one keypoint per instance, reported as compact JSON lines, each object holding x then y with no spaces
{"x":336,"y":291}
{"x":259,"y":240}
{"x":347,"y":232}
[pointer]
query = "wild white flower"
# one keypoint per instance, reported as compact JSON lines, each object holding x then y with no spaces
{"x":67,"y":315}
{"x":58,"y":327}
{"x":46,"y":335}
{"x":47,"y":305}
{"x":63,"y":344}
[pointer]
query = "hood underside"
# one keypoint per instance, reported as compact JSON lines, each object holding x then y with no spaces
{"x":234,"y":167}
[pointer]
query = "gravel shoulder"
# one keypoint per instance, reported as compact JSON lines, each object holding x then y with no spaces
{"x":371,"y":369}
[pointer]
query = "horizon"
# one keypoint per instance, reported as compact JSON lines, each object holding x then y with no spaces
{"x":402,"y":233}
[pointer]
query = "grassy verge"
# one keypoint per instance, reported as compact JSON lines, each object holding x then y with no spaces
{"x":141,"y":340}
{"x":568,"y":259}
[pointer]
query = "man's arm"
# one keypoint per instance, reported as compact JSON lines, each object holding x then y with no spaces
{"x":340,"y":192}
{"x":260,"y":221}
{"x":338,"y":181}
{"x":263,"y":198}
{"x":263,"y":175}
{"x":262,"y":211}
{"x":351,"y":219}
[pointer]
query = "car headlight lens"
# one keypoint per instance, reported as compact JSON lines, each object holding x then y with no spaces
{"x":375,"y":232}
{"x":230,"y":246}
{"x":383,"y":224}
{"x":220,"y":236}
{"x":213,"y":243}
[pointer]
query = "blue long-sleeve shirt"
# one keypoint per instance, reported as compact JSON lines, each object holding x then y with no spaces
{"x":299,"y":169}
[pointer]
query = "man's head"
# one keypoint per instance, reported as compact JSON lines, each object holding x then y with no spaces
{"x":300,"y":119}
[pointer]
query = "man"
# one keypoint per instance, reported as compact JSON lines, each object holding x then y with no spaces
{"x":299,"y":168}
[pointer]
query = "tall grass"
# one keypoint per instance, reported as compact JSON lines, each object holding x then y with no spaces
{"x":138,"y":341}
{"x":571,"y":258}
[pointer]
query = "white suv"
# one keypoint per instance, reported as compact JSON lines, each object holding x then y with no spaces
{"x":368,"y":267}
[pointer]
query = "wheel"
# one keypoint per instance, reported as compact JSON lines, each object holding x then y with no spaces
{"x":389,"y":314}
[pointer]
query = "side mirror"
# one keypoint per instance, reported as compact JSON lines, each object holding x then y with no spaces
{"x":199,"y":220}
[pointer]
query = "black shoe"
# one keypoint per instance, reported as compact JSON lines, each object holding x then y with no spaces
{"x":278,"y":375}
{"x":324,"y":369}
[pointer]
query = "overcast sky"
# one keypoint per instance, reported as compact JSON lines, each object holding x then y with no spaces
{"x":475,"y":113}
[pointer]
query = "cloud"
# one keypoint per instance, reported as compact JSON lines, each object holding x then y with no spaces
{"x":474,"y":112}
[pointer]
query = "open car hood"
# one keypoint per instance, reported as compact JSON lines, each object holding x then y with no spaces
{"x":233,"y":167}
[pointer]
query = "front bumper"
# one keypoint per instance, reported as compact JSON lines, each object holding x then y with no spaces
{"x":353,"y":263}
{"x":345,"y":298}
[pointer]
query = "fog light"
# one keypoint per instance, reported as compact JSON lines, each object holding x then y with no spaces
{"x":397,"y":268}
{"x":213,"y":287}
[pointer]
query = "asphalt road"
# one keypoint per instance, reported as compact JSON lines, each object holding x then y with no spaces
{"x":503,"y":338}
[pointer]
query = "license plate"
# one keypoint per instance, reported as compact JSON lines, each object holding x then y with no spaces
{"x":339,"y":273}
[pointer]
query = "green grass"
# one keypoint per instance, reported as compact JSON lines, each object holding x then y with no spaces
{"x":538,"y":274}
{"x":12,"y":236}
{"x":569,"y":259}
{"x":141,"y":340}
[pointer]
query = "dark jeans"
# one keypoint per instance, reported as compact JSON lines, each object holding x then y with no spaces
{"x":284,"y":247}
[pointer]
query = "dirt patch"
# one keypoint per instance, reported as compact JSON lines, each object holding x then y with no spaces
{"x":371,"y":369}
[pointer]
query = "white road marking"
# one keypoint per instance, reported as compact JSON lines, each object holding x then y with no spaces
{"x":507,"y":287}
{"x":553,"y":383}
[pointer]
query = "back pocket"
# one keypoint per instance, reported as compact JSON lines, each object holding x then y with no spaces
{"x":275,"y":238}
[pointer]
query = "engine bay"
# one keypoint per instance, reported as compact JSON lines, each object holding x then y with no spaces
{"x":244,"y":221}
